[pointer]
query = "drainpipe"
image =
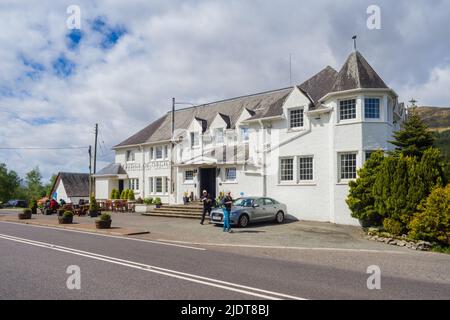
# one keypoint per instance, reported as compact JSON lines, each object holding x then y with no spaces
{"x":141,"y":147}
{"x":264,"y":171}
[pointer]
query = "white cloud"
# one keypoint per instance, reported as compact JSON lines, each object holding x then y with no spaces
{"x":197,"y":51}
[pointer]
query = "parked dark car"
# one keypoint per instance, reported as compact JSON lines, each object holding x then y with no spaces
{"x":16,"y":204}
{"x":251,"y":209}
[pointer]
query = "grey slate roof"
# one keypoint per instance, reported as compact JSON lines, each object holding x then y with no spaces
{"x":75,"y":184}
{"x":263,"y":104}
{"x":357,"y":73}
{"x":320,"y":84}
{"x":112,"y":169}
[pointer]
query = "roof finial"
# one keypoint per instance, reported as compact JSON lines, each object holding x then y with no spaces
{"x":354,"y":41}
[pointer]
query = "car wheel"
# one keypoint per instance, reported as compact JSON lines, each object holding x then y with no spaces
{"x":279,"y":218}
{"x":243,"y":221}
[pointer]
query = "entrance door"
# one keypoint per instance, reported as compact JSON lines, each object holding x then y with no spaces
{"x":208,"y":181}
{"x":120,"y":186}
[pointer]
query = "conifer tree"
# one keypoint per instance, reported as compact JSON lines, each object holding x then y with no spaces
{"x":360,"y":199}
{"x":414,"y":137}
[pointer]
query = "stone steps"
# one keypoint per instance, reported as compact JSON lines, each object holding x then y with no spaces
{"x":191,"y":211}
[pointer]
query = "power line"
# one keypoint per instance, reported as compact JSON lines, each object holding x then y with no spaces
{"x":41,"y":148}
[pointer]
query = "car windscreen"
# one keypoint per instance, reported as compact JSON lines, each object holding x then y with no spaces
{"x":243,"y":202}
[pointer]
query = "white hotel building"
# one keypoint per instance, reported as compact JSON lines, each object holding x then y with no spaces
{"x":299,"y":145}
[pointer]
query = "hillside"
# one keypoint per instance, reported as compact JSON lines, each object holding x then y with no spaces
{"x":438,"y":119}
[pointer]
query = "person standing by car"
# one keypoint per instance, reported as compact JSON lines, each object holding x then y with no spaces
{"x":227,"y":202}
{"x":207,"y":204}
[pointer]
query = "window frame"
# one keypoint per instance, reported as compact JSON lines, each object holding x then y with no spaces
{"x":161,"y":152}
{"x":130,"y":154}
{"x":216,"y":142}
{"x":340,"y":167}
{"x":280,"y":170}
{"x":227,"y":170}
{"x":185,"y":176}
{"x":244,"y":134}
{"x":365,"y":108}
{"x":195,"y":139}
{"x":340,"y":113}
{"x":299,"y":169}
{"x":290,"y":110}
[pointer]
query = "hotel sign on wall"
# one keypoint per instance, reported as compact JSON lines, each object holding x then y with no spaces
{"x":148,"y":166}
{"x":157,"y":165}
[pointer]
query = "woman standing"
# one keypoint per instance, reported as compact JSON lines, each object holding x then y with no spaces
{"x":227,"y":202}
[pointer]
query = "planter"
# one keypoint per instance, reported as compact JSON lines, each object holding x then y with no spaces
{"x":185,"y":200}
{"x":158,"y":205}
{"x":143,"y":208}
{"x":65,"y":220}
{"x":93,"y":214}
{"x":103,"y":224}
{"x":24,"y":216}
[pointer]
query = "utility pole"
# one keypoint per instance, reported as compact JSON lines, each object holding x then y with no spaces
{"x":95,"y":153}
{"x":95,"y":148}
{"x":90,"y":171}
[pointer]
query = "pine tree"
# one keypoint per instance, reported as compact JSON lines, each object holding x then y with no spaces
{"x":414,"y":137}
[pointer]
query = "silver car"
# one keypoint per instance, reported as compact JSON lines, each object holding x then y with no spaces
{"x":251,"y":209}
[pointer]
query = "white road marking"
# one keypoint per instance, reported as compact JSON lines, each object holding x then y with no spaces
{"x":105,"y":235}
{"x":280,"y":247}
{"x":260,"y":293}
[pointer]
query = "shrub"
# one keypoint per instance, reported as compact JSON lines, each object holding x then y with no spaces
{"x":113,"y":194}
{"x":139,"y":200}
{"x":105,"y":217}
{"x":360,"y":199}
{"x":67,"y":214}
{"x":157,"y":200}
{"x":93,"y":206}
{"x":33,"y":203}
{"x":27,"y":211}
{"x":402,"y":182}
{"x":393,"y":226}
{"x":130,"y":195}
{"x":124,"y":194}
{"x":432,"y":222}
{"x":148,"y":201}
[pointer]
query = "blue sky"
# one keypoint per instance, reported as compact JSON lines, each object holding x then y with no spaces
{"x":130,"y":57}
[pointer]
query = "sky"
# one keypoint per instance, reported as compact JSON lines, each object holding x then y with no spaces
{"x":126,"y":61}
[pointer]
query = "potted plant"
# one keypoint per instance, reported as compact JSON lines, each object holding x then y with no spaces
{"x":93,"y":207}
{"x":33,"y":206}
{"x":148,"y":201}
{"x":104,"y":222}
{"x":139,"y":200}
{"x":61,"y":212}
{"x":130,"y":195}
{"x":26,"y":214}
{"x":66,"y":218}
{"x":185,"y":198}
{"x":158,"y":202}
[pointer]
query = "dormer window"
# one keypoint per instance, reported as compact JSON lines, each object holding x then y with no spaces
{"x":372,"y":108}
{"x":296,"y":118}
{"x":195,"y":141}
{"x":218,"y":135}
{"x":347,"y":109}
{"x":244,"y":134}
{"x":130,"y":155}
{"x":159,"y":152}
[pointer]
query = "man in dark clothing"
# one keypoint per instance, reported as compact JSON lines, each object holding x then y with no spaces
{"x":207,"y":204}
